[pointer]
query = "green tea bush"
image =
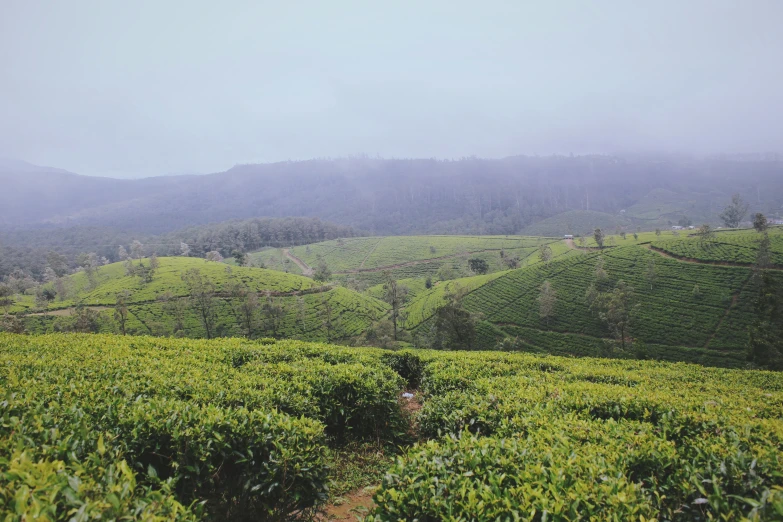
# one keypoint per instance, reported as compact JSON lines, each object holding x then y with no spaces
{"x":524,"y":437}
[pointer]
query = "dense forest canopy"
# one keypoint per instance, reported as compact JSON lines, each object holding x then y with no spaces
{"x":27,"y":249}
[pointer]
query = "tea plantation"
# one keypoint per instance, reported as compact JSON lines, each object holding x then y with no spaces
{"x":405,"y":257}
{"x":120,"y":428}
{"x":304,"y":304}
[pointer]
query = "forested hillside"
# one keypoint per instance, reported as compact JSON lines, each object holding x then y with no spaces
{"x":403,"y":196}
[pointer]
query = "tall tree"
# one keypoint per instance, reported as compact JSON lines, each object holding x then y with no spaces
{"x":326,"y":315}
{"x":121,"y":310}
{"x":184,"y":249}
{"x":547,"y":299}
{"x":545,"y":254}
{"x":617,"y":309}
{"x":478,"y":265}
{"x":322,"y":273}
{"x":6,"y":297}
{"x":176,"y":307}
{"x":599,"y":236}
{"x":239,"y":257}
{"x":599,"y":273}
{"x":57,"y":262}
{"x":137,"y":249}
{"x":89,"y":263}
{"x":706,"y":235}
{"x":765,"y":335}
{"x":213,"y":256}
{"x":455,"y":327}
{"x":394,"y":294}
{"x":760,"y":223}
{"x":732,"y":215}
{"x":651,"y":274}
{"x":202,"y":299}
{"x":274,"y":313}
{"x":245,"y":305}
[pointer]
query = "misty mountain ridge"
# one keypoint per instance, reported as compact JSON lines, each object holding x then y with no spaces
{"x":401,"y":196}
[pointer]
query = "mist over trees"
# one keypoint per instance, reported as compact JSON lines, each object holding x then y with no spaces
{"x":394,"y":196}
{"x":33,"y":250}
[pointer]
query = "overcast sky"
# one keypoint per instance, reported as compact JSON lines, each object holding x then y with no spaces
{"x":139,"y":88}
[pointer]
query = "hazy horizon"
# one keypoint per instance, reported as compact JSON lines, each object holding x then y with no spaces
{"x":145,"y":89}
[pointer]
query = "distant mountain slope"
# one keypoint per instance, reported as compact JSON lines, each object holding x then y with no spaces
{"x":474,"y":196}
{"x":575,"y":222}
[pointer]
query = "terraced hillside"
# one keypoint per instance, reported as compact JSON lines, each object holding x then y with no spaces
{"x":691,"y":300}
{"x":105,"y":427}
{"x":295,"y":306}
{"x":687,"y":310}
{"x":405,"y":257}
{"x":734,"y":247}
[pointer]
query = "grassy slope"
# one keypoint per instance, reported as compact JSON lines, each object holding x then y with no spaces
{"x":111,"y":279}
{"x":352,"y":312}
{"x":376,"y":252}
{"x":675,"y":324}
{"x":735,"y":246}
{"x":274,"y":259}
{"x":366,"y":258}
{"x":671,"y":321}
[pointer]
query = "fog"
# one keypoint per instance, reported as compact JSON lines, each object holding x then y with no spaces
{"x":130,"y":89}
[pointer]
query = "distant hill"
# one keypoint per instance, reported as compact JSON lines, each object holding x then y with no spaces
{"x":576,"y":222}
{"x":698,"y":307}
{"x":303,"y":305}
{"x":396,"y":196}
{"x":370,"y":260}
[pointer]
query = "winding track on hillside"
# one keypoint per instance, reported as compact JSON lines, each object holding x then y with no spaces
{"x":663,"y":253}
{"x":416,"y":262}
{"x":306,"y":270}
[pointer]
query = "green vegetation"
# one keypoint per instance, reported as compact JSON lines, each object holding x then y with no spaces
{"x":575,"y":222}
{"x":112,"y":427}
{"x":740,"y":247}
{"x":538,"y":295}
{"x":518,"y":435}
{"x":273,"y":259}
{"x":287,"y":305}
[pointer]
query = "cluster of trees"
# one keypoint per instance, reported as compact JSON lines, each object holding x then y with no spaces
{"x":29,"y":250}
{"x":252,"y":234}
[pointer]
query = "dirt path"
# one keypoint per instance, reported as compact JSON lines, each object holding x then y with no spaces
{"x":731,"y":306}
{"x":306,"y":270}
{"x":355,"y":505}
{"x":68,"y":311}
{"x":370,"y":253}
{"x":416,"y":262}
{"x":702,"y":261}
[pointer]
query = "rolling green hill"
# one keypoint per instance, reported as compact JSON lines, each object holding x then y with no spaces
{"x":365,"y":259}
{"x":304,"y":305}
{"x":693,"y":311}
{"x":697,"y":307}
